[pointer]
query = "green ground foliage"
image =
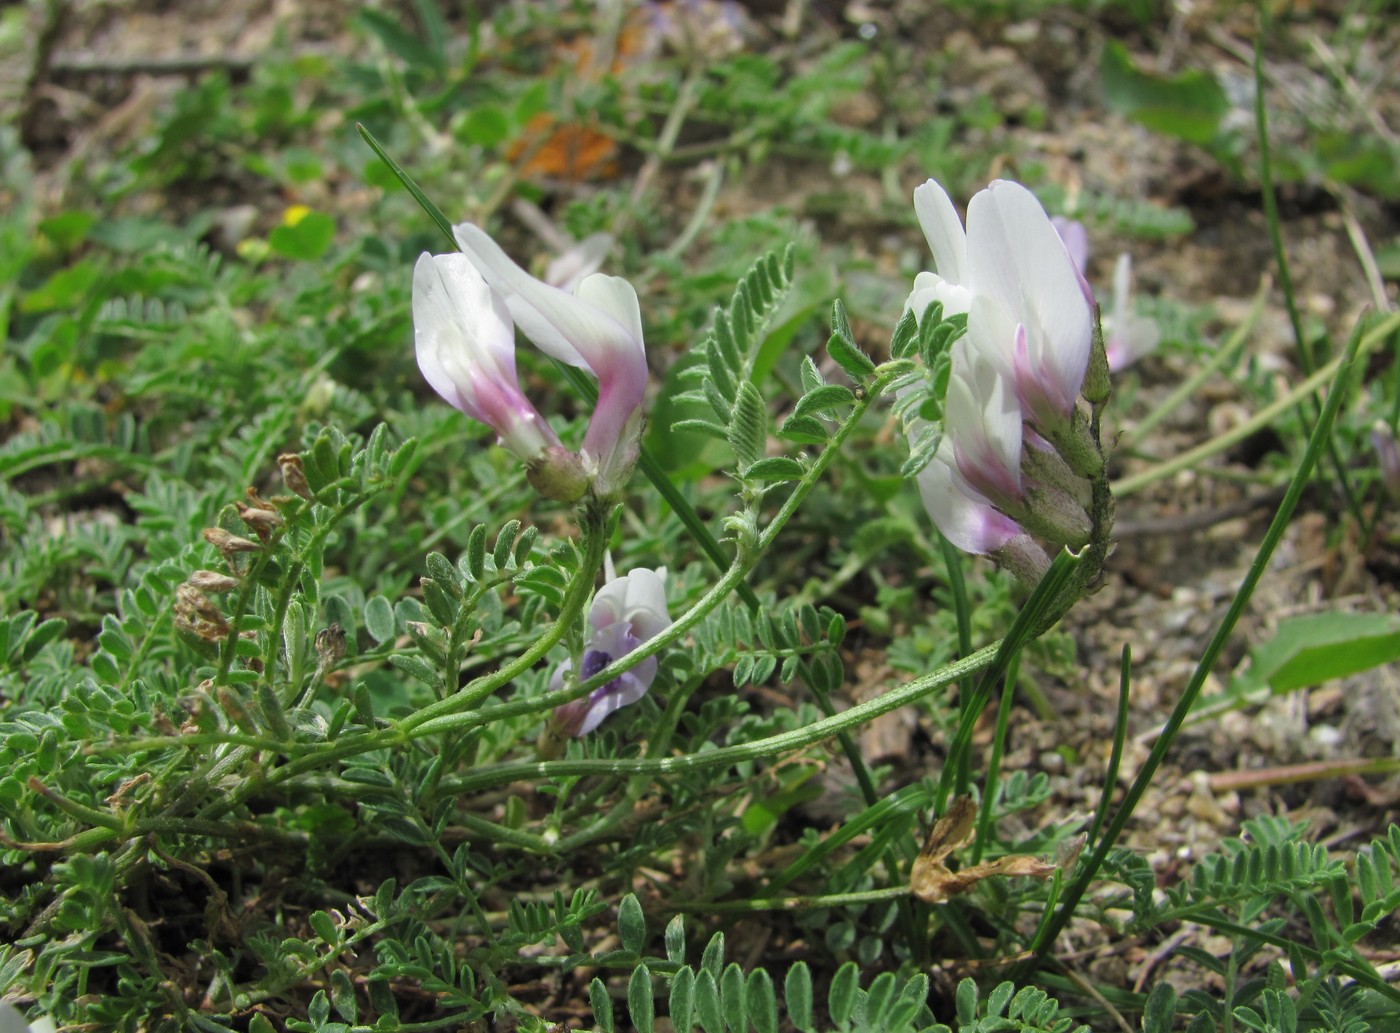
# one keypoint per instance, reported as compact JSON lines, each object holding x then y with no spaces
{"x":277,"y":625}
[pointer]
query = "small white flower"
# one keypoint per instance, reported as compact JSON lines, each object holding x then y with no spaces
{"x":1127,"y":336}
{"x":626,"y":612}
{"x":465,"y":344}
{"x":598,"y":327}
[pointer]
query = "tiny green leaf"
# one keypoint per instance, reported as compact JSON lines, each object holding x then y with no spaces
{"x":640,"y":1003}
{"x":601,"y":1004}
{"x":774,"y":468}
{"x":379,"y":619}
{"x":797,"y":994}
{"x":748,"y":430}
{"x":632,"y":924}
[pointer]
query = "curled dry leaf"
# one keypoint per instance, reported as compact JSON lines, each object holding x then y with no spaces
{"x":933,"y":882}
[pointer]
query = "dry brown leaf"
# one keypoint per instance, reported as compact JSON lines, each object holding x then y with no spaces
{"x":933,"y":882}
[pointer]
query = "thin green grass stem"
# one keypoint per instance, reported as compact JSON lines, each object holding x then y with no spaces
{"x":738,"y":907}
{"x":1326,"y":375}
{"x":1316,"y":444}
{"x":1120,"y":737}
{"x":962,"y":610}
{"x":992,"y":786}
{"x":1306,"y":358}
{"x":1029,"y":623}
{"x":894,"y":808}
{"x":1190,"y":388}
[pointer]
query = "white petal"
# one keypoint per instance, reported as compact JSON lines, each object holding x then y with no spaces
{"x":618,"y":298}
{"x":971,"y":525}
{"x":638,"y":599}
{"x":930,"y":287}
{"x":459,"y":325}
{"x":943,"y":230}
{"x":561,"y":325}
{"x":1016,"y":257}
{"x":991,"y":333}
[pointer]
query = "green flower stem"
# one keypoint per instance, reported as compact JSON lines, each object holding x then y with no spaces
{"x":1316,"y":445}
{"x":962,"y":609}
{"x":992,"y":783}
{"x":1030,"y":622}
{"x":1265,"y":416}
{"x":785,"y":742}
{"x":731,"y":907}
{"x":1120,"y":736}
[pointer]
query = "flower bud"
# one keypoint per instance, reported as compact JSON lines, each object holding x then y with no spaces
{"x":1055,"y":516}
{"x":228,"y":544}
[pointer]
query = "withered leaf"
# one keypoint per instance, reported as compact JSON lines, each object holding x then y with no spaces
{"x":931,"y":880}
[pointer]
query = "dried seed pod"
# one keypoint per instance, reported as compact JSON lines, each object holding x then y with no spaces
{"x":212,"y":581}
{"x":294,"y":474}
{"x":330,"y":645}
{"x":196,"y":614}
{"x":229,"y":544}
{"x":263,"y":522}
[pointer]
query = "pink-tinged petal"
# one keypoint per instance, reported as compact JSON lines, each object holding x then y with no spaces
{"x":560,"y":324}
{"x":970,"y":524}
{"x":943,"y":230}
{"x":465,"y":346}
{"x":984,"y":425}
{"x":622,"y":377}
{"x":1075,"y":238}
{"x":1016,"y":257}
